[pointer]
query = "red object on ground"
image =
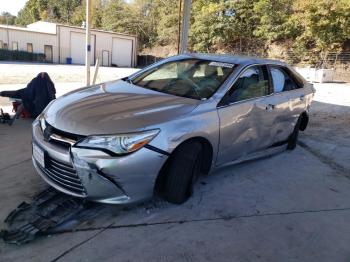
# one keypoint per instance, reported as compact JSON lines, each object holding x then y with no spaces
{"x":24,"y":114}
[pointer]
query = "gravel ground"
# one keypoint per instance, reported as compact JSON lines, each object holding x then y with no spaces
{"x":22,"y":73}
{"x":66,"y":77}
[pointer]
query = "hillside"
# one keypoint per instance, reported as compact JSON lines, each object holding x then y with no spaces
{"x":299,"y":31}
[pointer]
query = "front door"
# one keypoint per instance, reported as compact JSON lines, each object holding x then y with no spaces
{"x":48,"y":53}
{"x":245,"y":115}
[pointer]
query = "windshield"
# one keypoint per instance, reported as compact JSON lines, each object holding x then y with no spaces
{"x":193,"y":78}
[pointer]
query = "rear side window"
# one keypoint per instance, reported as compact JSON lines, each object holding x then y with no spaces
{"x":282,"y":80}
{"x":253,"y":83}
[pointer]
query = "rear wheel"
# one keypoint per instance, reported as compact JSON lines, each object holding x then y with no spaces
{"x":183,"y":169}
{"x":293,"y":138}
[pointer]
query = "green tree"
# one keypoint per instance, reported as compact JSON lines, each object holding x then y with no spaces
{"x":146,"y":21}
{"x":116,"y":17}
{"x":137,"y":18}
{"x":7,"y":19}
{"x":308,"y":29}
{"x":167,"y":21}
{"x":97,"y":9}
{"x":240,"y":35}
{"x":208,"y":25}
{"x":275,"y":21}
{"x":224,"y":25}
{"x":49,"y":10}
{"x":30,"y":13}
{"x":325,"y":27}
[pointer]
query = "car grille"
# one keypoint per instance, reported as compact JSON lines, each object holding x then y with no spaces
{"x":63,"y":175}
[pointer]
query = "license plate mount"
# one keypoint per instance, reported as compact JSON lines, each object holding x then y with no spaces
{"x":39,"y":155}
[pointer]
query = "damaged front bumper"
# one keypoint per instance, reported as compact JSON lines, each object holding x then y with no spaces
{"x":95,"y":175}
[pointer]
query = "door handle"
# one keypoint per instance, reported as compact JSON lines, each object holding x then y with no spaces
{"x":270,"y":107}
{"x":302,"y":97}
{"x":264,"y":106}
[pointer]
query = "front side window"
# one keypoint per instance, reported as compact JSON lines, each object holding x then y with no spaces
{"x":192,"y":78}
{"x":252,"y":83}
{"x":282,"y":81}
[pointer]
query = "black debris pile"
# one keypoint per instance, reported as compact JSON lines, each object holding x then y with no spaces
{"x":4,"y":117}
{"x":48,"y":210}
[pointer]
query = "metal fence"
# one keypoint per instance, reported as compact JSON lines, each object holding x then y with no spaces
{"x":334,"y":58}
{"x":339,"y":62}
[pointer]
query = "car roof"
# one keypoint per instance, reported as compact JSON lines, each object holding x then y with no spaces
{"x":232,"y":59}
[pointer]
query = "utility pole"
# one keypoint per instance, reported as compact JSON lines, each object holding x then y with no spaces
{"x":179,"y":27}
{"x":88,"y":42}
{"x":8,"y":33}
{"x":185,"y":25}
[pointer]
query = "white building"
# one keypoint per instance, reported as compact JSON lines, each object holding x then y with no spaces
{"x":59,"y":42}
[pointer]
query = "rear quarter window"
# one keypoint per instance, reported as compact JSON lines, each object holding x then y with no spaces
{"x":284,"y":79}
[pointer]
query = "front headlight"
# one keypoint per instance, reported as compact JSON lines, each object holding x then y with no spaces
{"x":42,"y":122}
{"x":119,"y":144}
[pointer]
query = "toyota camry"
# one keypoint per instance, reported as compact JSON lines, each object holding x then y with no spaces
{"x":160,"y":128}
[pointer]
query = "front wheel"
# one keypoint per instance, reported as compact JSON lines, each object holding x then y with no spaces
{"x":182,"y":171}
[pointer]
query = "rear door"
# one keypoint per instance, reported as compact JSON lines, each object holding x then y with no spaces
{"x":289,"y":101}
{"x":246,"y":115}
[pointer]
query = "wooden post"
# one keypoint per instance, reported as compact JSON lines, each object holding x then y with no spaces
{"x":97,"y":66}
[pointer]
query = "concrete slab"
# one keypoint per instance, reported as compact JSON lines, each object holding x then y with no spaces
{"x":219,"y":216}
{"x":292,"y":237}
{"x":15,"y":143}
{"x":292,"y":206}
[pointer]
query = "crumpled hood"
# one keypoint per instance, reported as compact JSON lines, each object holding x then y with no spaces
{"x":115,"y":107}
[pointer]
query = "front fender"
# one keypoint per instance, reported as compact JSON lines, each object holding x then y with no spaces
{"x":203,"y":122}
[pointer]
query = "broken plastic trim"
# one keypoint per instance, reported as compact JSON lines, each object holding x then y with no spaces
{"x":47,"y":210}
{"x":156,"y":149}
{"x":4,"y":117}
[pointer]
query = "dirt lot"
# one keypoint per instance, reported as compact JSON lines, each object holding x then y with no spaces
{"x":292,"y":206}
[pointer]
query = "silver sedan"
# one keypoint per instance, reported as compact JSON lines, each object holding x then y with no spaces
{"x":159,"y":129}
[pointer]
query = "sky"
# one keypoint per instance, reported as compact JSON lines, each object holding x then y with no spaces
{"x":11,"y":6}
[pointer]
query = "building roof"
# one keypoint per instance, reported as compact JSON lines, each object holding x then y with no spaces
{"x":43,"y":27}
{"x":96,"y":30}
{"x":18,"y":28}
{"x":51,"y":28}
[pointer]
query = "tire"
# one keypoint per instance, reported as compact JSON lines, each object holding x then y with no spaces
{"x":293,"y":138}
{"x":182,"y":171}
